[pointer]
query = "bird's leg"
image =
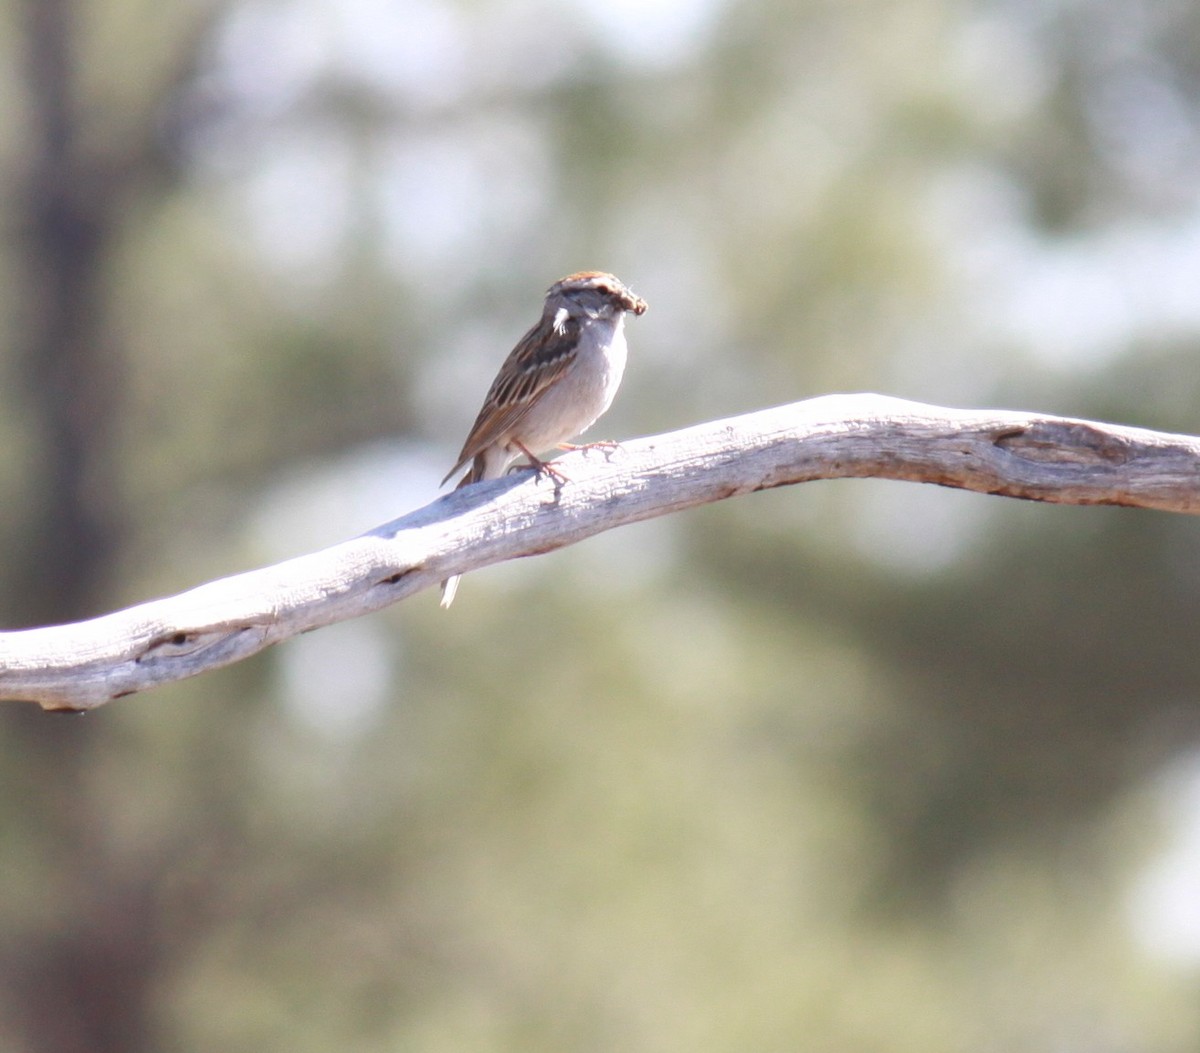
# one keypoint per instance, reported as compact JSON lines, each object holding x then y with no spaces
{"x":542,"y":467}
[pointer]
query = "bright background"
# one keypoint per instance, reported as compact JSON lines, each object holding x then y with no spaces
{"x":853,"y":766}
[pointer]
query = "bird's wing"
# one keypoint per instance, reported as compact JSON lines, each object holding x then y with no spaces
{"x":542,"y":355}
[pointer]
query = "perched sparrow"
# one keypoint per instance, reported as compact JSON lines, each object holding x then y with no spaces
{"x":555,"y":383}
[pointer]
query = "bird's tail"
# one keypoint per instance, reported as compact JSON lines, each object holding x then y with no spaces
{"x":473,"y":475}
{"x":449,"y":588}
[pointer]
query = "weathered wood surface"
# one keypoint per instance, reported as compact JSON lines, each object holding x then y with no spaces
{"x":1026,"y":455}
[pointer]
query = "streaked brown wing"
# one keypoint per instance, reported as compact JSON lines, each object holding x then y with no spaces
{"x":539,"y":359}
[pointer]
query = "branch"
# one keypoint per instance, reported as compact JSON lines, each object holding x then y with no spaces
{"x":1041,"y":458}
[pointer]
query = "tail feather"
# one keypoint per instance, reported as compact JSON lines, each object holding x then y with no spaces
{"x":449,"y":588}
{"x":473,"y":475}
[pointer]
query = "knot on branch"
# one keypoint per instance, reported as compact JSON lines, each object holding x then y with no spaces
{"x":189,"y":644}
{"x":1063,"y":442}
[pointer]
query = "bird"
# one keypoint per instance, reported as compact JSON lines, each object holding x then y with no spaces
{"x":555,"y":384}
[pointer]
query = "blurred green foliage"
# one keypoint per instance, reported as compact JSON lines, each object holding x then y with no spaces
{"x":853,"y":766}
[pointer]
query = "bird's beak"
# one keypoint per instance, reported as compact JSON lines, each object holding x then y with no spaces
{"x":634,"y":303}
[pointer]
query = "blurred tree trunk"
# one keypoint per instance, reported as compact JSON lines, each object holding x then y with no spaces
{"x":66,"y":214}
{"x":83,"y":983}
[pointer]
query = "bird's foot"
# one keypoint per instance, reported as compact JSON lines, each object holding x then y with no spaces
{"x":609,"y":446}
{"x":544,"y":467}
{"x":599,"y":444}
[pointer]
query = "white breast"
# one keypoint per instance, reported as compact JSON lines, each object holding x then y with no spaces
{"x":584,"y":392}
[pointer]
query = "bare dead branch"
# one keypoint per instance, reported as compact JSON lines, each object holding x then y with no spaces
{"x":1042,"y":458}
